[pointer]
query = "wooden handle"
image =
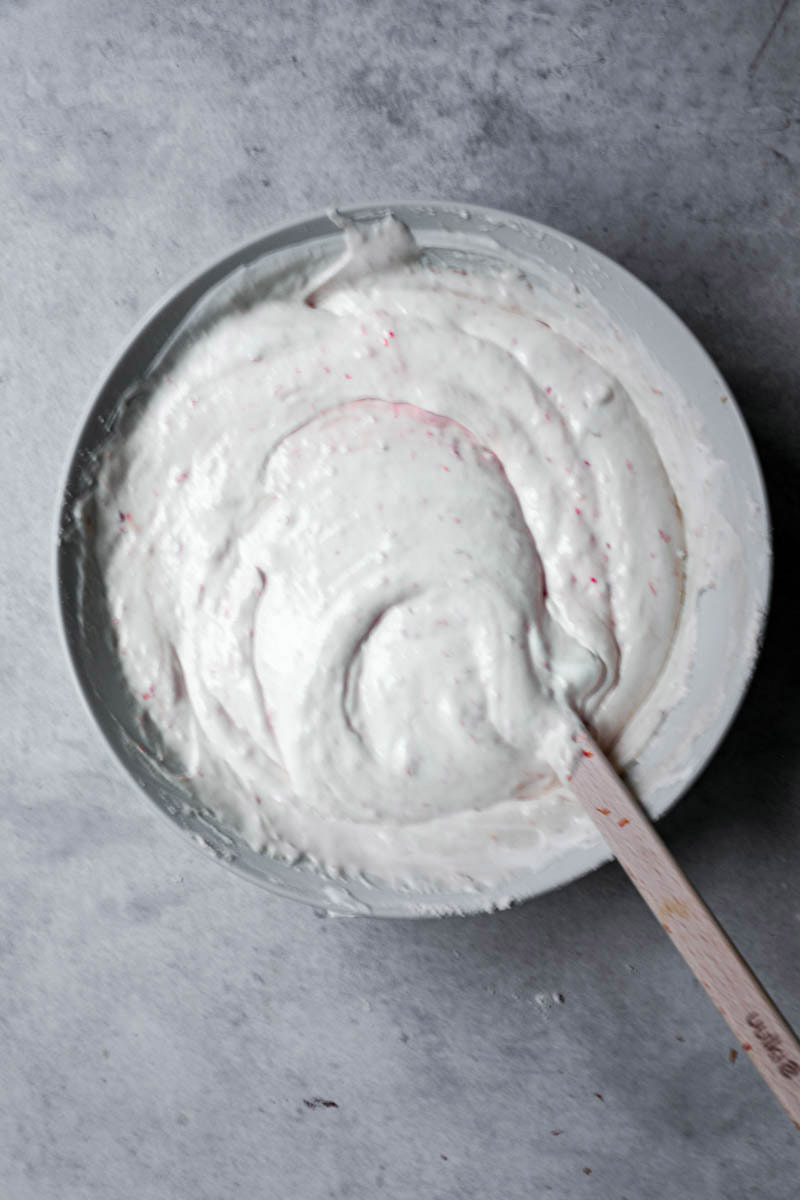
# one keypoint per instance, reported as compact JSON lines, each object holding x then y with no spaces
{"x":716,"y":962}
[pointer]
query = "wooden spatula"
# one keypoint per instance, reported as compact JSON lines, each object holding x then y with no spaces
{"x":754,"y":1019}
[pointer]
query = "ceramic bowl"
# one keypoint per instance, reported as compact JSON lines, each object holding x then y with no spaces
{"x":731,"y":613}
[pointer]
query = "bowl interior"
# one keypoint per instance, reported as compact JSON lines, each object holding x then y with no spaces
{"x":733,"y":610}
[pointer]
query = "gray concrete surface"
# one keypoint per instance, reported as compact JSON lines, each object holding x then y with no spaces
{"x":165,"y":1028}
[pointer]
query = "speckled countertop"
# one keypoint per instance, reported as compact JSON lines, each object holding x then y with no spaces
{"x":168,"y":1031}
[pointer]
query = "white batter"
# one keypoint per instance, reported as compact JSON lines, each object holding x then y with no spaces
{"x":366,"y":548}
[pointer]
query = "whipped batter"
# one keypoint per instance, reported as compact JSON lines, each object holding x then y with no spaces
{"x":368,"y":549}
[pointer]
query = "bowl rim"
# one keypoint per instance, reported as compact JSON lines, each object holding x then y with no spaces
{"x":337,"y":894}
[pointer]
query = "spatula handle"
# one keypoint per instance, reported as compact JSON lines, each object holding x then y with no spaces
{"x":754,"y":1019}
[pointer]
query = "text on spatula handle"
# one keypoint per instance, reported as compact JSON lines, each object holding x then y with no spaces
{"x":788,"y":1067}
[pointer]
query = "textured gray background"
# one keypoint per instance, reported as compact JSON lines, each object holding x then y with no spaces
{"x":162,"y":1022}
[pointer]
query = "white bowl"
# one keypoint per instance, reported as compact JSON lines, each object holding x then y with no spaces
{"x":730,"y":614}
